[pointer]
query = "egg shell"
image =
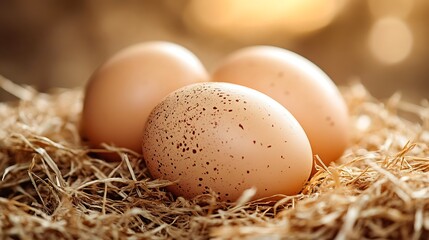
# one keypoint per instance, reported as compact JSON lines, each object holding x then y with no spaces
{"x":121,"y":94}
{"x":299,"y":85}
{"x":226,"y":138}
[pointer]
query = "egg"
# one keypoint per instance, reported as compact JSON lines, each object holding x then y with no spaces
{"x":225,"y":138}
{"x":300,"y":86}
{"x":121,"y":94}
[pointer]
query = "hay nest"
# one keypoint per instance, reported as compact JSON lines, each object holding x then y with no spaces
{"x":51,"y":187}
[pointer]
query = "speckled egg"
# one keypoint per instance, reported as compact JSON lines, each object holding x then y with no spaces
{"x":225,"y":138}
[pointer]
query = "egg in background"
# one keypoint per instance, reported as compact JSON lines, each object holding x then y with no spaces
{"x":300,"y":86}
{"x":121,"y":94}
{"x":226,"y":138}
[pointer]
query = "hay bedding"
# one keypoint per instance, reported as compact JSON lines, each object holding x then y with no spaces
{"x":52,"y":187}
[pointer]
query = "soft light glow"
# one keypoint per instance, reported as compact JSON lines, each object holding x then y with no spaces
{"x":242,"y":19}
{"x":384,"y":8}
{"x":390,"y":40}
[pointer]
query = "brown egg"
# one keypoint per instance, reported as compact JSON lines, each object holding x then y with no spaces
{"x":299,"y":85}
{"x":226,"y":138}
{"x":121,"y":94}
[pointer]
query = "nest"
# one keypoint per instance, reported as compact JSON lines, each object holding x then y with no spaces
{"x":53,"y":187}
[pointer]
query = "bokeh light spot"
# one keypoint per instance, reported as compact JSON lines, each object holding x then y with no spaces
{"x":390,"y":40}
{"x":251,"y":19}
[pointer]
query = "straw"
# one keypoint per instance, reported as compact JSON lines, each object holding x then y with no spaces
{"x":52,"y":185}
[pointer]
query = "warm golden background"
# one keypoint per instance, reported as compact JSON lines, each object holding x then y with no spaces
{"x":382,"y":43}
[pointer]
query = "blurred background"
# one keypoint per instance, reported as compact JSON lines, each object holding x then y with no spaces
{"x":381,"y":43}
